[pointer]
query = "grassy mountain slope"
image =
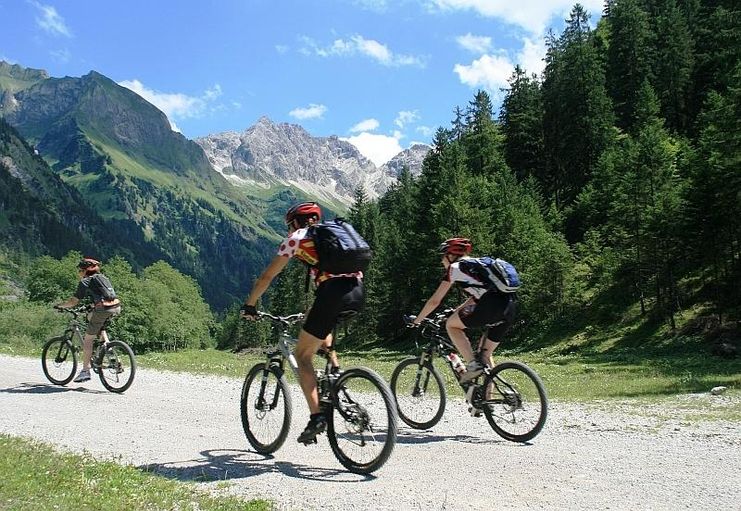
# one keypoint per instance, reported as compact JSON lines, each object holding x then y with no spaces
{"x":131,"y":169}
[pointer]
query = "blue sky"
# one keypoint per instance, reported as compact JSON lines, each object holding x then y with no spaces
{"x":379,"y":73}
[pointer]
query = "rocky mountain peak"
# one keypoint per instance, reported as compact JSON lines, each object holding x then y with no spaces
{"x":328,"y":168}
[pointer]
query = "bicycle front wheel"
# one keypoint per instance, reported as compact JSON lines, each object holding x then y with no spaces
{"x":266,"y":408}
{"x":59,"y":360}
{"x":363,"y":422}
{"x":419,"y":392}
{"x":516,"y":405}
{"x":117,"y":366}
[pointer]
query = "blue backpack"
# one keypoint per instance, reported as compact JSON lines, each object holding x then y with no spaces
{"x":339,"y":247}
{"x":494,"y":274}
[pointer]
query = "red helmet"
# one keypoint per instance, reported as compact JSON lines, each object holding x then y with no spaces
{"x":456,"y":246}
{"x":88,"y":264}
{"x":305,"y":209}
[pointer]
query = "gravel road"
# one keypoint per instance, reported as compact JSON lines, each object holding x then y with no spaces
{"x":606,"y":455}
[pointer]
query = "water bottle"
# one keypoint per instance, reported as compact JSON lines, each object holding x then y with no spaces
{"x":458,"y":365}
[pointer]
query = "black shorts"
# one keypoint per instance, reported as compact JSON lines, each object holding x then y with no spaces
{"x":333,"y":296}
{"x":495,"y":310}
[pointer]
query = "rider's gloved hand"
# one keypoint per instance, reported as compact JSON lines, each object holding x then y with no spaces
{"x":409,"y":320}
{"x":248,"y":311}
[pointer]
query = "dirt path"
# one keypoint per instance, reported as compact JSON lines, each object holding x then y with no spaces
{"x":187,"y":427}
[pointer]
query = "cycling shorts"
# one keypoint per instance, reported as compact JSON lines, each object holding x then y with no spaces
{"x":98,"y":319}
{"x":333,"y":296}
{"x":495,"y":310}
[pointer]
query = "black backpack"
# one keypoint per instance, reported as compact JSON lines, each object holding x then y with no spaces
{"x":339,"y":247}
{"x":104,"y":287}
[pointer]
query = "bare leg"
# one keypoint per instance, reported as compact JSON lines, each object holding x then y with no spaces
{"x":486,"y":350}
{"x":455,"y":328}
{"x":87,"y":351}
{"x":306,"y":348}
{"x":327,"y":346}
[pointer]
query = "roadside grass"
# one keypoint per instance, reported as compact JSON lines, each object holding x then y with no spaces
{"x":567,"y":377}
{"x":627,"y":358}
{"x":35,"y":476}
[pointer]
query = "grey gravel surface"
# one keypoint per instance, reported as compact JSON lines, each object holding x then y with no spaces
{"x":609,"y":455}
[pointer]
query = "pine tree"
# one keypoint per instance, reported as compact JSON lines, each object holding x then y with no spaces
{"x":521,"y":118}
{"x":578,"y":114}
{"x":672,"y":62}
{"x":628,"y":57}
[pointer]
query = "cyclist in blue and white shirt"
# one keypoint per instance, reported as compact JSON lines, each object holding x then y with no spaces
{"x":484,"y":307}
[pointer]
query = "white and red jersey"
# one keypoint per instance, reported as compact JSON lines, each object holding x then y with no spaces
{"x":301,"y":246}
{"x":469,"y":284}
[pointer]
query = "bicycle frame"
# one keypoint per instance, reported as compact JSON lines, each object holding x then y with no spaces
{"x":74,"y":332}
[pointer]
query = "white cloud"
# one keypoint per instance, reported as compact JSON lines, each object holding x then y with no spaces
{"x":365,"y":125}
{"x":212,"y":92}
{"x":50,"y":20}
{"x":282,"y":48}
{"x":474,"y":43}
{"x":406,"y":117}
{"x":490,"y":72}
{"x":372,"y":5}
{"x":176,"y":105}
{"x":425,"y":131}
{"x":62,"y":56}
{"x":531,"y":15}
{"x":531,"y":56}
{"x":358,"y":45}
{"x":377,"y":148}
{"x":313,"y":111}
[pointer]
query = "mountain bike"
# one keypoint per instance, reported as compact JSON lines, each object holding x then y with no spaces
{"x":113,"y":361}
{"x":510,"y":394}
{"x":360,"y":409}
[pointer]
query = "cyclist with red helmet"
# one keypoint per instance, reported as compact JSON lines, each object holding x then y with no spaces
{"x":334,"y":294}
{"x":484,"y":307}
{"x":106,"y":305}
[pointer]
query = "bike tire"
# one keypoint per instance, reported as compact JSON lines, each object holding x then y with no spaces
{"x":357,"y":420}
{"x":61,"y":349}
{"x":115,"y":374}
{"x":404,"y":386}
{"x":251,"y":400}
{"x":517,"y":392}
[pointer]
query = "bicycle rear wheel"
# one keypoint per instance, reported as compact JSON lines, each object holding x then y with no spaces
{"x":419,"y":392}
{"x":363,"y":422}
{"x":266,"y":408}
{"x":517,"y":405}
{"x":59,"y":360}
{"x":117,"y":366}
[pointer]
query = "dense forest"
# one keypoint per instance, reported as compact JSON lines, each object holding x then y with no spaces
{"x":613,"y":179}
{"x":612,"y":182}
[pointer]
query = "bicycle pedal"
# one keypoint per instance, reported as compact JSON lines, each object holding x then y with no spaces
{"x":309,"y":441}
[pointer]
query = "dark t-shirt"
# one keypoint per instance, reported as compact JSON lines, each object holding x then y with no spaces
{"x":88,"y":287}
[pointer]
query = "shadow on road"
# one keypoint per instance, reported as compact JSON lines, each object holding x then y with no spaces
{"x":415,"y":437}
{"x":226,"y":464}
{"x":45,"y":388}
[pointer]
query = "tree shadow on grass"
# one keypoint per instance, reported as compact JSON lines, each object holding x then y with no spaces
{"x":44,"y":388}
{"x":227,"y":464}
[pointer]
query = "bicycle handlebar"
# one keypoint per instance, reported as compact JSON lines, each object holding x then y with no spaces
{"x":75,"y":311}
{"x":285,"y":320}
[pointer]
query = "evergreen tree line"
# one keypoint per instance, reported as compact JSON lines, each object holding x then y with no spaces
{"x":613,"y":178}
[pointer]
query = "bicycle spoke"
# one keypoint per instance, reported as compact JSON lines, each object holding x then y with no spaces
{"x":419,"y":393}
{"x":363,"y":422}
{"x":515,"y":405}
{"x":266,"y":409}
